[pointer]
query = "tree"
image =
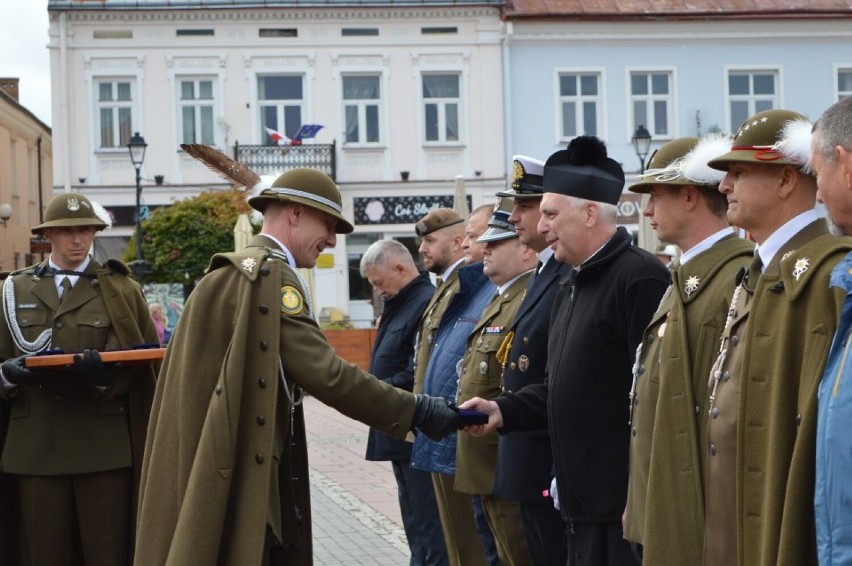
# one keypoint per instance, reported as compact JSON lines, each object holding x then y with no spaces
{"x":178,"y":241}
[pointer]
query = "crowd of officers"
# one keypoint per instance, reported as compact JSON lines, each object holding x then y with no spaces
{"x":637,"y":412}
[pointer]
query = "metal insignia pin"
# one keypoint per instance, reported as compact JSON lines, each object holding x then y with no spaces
{"x":248,"y":263}
{"x":801,"y":267}
{"x":483,"y":368}
{"x":691,"y":285}
{"x":523,"y":362}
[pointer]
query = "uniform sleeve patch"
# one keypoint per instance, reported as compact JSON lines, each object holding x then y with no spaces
{"x":292,"y":302}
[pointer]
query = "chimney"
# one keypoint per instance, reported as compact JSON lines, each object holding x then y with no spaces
{"x":10,"y":87}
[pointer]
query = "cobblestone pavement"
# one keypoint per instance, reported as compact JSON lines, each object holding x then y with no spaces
{"x":355,"y":509}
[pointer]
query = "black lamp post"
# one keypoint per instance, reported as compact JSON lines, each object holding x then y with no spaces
{"x":137,"y":147}
{"x":642,"y":145}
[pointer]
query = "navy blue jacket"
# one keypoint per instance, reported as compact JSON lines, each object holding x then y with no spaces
{"x":441,"y":378}
{"x":391,"y":358}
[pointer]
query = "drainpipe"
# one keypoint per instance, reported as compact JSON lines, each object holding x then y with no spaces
{"x":40,"y":188}
{"x":63,"y":101}
{"x":507,"y":98}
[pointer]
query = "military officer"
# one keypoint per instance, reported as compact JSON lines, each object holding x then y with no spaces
{"x":508,"y":264}
{"x":524,"y":459}
{"x":762,"y":402}
{"x":74,"y":437}
{"x":665,"y":496}
{"x":225,"y":476}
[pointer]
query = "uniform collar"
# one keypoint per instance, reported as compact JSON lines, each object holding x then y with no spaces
{"x":784,"y":234}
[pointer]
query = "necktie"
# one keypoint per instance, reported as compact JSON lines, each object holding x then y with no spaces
{"x":66,"y":286}
{"x":439,"y":281}
{"x":755,"y":270}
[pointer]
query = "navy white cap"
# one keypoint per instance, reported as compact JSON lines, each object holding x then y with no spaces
{"x":499,"y":227}
{"x":527,"y":178}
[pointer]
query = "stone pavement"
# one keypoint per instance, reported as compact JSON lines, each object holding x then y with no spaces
{"x":354,"y":505}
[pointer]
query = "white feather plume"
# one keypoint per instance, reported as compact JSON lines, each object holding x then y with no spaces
{"x":795,"y":143}
{"x":694,"y":166}
{"x":102,"y":213}
{"x":265,"y":182}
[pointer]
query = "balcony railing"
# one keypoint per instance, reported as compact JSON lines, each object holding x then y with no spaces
{"x":272,"y":159}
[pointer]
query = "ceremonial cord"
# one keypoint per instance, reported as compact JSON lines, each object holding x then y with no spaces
{"x":716,"y":370}
{"x":11,"y":315}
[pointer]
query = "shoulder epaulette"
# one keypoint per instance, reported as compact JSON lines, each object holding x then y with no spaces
{"x":116,"y":266}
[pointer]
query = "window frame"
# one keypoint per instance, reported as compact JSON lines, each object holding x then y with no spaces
{"x":280,"y":104}
{"x":197,"y":104}
{"x":361,"y":105}
{"x":838,"y":69}
{"x":580,"y":99}
{"x":115,"y":106}
{"x":650,"y":98}
{"x":751,"y":98}
{"x":443,"y":102}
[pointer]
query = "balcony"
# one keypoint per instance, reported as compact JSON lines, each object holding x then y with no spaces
{"x":274,"y":159}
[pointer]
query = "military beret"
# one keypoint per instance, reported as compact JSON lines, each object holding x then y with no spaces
{"x":73,"y":209}
{"x":436,"y":220}
{"x":774,"y":137}
{"x":527,"y":178}
{"x":583,"y":170}
{"x":309,"y":187}
{"x":499,"y":227}
{"x":683,"y":162}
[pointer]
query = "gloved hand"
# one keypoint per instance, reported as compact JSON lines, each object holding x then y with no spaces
{"x":92,"y":368}
{"x":436,"y":417}
{"x":16,"y":374}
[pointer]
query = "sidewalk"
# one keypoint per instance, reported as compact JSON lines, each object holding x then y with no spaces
{"x":356,"y":517}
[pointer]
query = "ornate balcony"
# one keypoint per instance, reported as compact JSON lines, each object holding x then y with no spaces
{"x":272,"y":159}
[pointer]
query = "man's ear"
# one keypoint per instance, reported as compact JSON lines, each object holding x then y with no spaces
{"x":844,"y":156}
{"x":294,"y":213}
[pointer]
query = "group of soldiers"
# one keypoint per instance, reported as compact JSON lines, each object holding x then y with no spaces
{"x":635,"y":412}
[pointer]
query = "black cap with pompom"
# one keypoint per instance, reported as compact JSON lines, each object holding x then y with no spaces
{"x":583,"y":170}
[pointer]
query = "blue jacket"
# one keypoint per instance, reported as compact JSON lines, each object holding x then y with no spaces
{"x":441,"y":377}
{"x":391,"y":360}
{"x":833,"y":490}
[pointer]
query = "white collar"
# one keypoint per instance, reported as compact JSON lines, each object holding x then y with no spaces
{"x":508,"y":283}
{"x":784,"y":234}
{"x":704,"y":244}
{"x":290,"y":259}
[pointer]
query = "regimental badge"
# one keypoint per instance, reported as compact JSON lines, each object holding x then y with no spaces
{"x":800,"y":267}
{"x":483,"y":368}
{"x":517,"y":174}
{"x":248,"y":263}
{"x":73,"y":204}
{"x":523,"y":363}
{"x":292,"y":302}
{"x":691,"y":285}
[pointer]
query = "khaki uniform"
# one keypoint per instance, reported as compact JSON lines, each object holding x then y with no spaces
{"x":665,"y":500}
{"x":64,"y":427}
{"x":762,"y":425}
{"x":226,"y":459}
{"x":476,"y":457}
{"x":429,"y":323}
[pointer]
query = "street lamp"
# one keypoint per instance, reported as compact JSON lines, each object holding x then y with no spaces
{"x":5,"y":213}
{"x":641,"y":144}
{"x":136,"y":146}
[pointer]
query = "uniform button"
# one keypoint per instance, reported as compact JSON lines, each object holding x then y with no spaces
{"x":635,"y":399}
{"x":798,"y":419}
{"x":712,"y":449}
{"x":121,"y":409}
{"x":633,"y":430}
{"x":650,"y":338}
{"x":218,"y":389}
{"x":470,"y":349}
{"x":261,"y":420}
{"x":97,"y":323}
{"x":263,"y":309}
{"x":479,"y":342}
{"x":264,"y":345}
{"x":641,"y":369}
{"x":258,"y":458}
{"x":25,"y":320}
{"x":59,"y":325}
{"x":526,"y":339}
{"x":726,"y":376}
{"x":715,"y":412}
{"x":513,"y":365}
{"x":697,"y":410}
{"x":264,"y":271}
{"x":261,"y":383}
{"x":394,"y":425}
{"x":735,"y":340}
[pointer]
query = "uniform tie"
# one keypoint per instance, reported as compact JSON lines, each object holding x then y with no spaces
{"x":66,"y":286}
{"x":439,"y":281}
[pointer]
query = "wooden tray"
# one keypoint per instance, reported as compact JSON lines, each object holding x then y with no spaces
{"x":129,"y":357}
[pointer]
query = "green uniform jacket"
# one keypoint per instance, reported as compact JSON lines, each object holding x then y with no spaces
{"x":64,"y":426}
{"x":665,"y":500}
{"x":482,"y":376}
{"x":429,"y":323}
{"x":225,"y":455}
{"x":762,"y":426}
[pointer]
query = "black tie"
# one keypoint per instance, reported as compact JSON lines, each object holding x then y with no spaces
{"x":66,"y":286}
{"x":439,"y":281}
{"x":755,"y":270}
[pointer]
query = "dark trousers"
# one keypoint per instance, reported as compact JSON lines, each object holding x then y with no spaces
{"x":599,"y":544}
{"x":484,"y":531}
{"x":420,"y":515}
{"x":89,"y":513}
{"x":545,"y":532}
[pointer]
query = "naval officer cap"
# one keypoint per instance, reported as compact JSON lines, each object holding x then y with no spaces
{"x":499,"y":227}
{"x":308,"y":187}
{"x":436,"y":220}
{"x":527,"y":178}
{"x":585,"y":171}
{"x":683,"y":162}
{"x":73,"y":209}
{"x":772,"y":137}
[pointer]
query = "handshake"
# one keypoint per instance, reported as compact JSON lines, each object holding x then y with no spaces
{"x":437,"y":417}
{"x":87,"y":364}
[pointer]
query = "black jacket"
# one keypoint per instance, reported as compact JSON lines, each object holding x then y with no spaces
{"x":391,"y":360}
{"x":599,"y":316}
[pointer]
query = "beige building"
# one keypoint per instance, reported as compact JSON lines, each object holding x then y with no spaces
{"x":26,"y":177}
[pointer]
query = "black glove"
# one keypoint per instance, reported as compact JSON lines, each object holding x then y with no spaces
{"x":436,"y":417}
{"x":15,"y":372}
{"x":89,"y":365}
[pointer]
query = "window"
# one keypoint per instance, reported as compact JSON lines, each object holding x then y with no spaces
{"x":579,"y":103}
{"x":439,"y":30}
{"x":844,"y":83}
{"x":194,"y":32}
{"x":352,"y":32}
{"x":281,"y":103}
{"x":750,"y":92}
{"x":361,"y":108}
{"x":650,"y":94}
{"x":196,"y":111}
{"x":278,"y":32}
{"x":115,"y":112}
{"x":441,"y":107}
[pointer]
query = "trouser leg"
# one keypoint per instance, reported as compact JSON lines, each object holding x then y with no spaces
{"x":46,"y":520}
{"x":103,"y":513}
{"x":464,"y":547}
